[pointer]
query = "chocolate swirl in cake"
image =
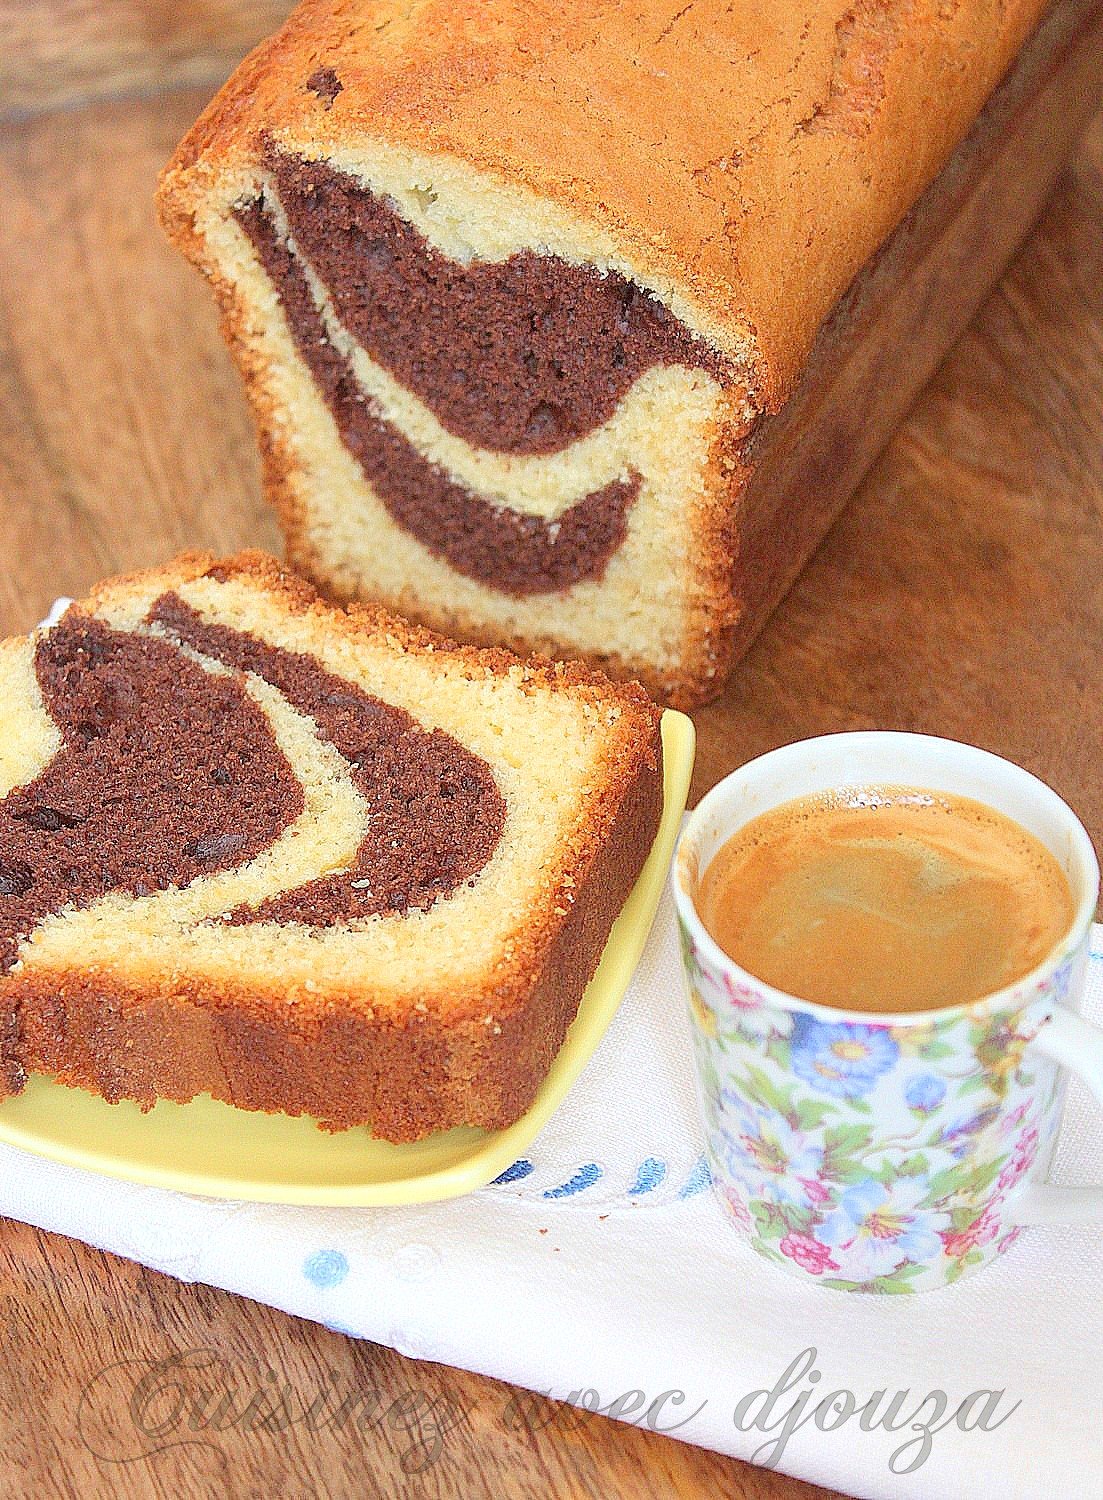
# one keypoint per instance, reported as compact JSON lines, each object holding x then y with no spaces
{"x":168,"y":772}
{"x":435,"y":811}
{"x":165,"y":773}
{"x":513,"y":552}
{"x":523,"y":355}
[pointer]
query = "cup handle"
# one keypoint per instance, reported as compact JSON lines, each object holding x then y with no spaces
{"x":1075,"y":1044}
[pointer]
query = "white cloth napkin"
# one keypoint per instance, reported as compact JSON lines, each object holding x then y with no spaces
{"x":604,"y":1267}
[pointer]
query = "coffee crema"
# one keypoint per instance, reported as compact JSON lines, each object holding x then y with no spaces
{"x":885,"y":898}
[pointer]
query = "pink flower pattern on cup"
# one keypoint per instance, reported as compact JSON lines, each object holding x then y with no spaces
{"x":1022,"y":1159}
{"x":809,"y":1253}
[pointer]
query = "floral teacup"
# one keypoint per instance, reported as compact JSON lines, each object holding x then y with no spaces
{"x":882,"y":1156}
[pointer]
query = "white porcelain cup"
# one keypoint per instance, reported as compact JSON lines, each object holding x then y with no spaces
{"x":882,"y":1155}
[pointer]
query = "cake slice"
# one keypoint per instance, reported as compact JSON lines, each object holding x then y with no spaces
{"x":511,"y":287}
{"x":304,"y":860}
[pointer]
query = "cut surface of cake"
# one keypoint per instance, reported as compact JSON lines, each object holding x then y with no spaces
{"x":511,"y":284}
{"x":304,"y":860}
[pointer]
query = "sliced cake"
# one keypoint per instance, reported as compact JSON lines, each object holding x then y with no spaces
{"x":304,"y":860}
{"x":511,"y":285}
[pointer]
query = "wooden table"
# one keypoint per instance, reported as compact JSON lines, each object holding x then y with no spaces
{"x":961,"y":593}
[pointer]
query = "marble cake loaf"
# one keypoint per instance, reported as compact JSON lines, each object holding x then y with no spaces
{"x":511,"y":284}
{"x":303,"y":860}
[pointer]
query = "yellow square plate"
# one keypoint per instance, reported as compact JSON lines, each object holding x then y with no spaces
{"x":211,"y":1148}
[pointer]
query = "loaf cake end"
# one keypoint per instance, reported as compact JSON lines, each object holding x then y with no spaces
{"x":511,"y":285}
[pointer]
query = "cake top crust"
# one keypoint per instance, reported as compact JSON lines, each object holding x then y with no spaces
{"x":748,"y":157}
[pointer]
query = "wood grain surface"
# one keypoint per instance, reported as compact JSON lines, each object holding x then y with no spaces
{"x":61,"y":53}
{"x":960,"y":593}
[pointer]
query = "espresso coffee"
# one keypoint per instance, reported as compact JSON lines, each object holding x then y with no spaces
{"x":885,"y":898}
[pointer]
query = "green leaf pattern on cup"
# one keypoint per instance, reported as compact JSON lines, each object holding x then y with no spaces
{"x":873,"y":1157}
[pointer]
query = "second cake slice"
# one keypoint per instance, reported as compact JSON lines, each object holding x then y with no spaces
{"x":302,"y":860}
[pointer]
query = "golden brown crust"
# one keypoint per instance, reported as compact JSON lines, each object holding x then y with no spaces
{"x":406,"y":1071}
{"x":760,"y":158}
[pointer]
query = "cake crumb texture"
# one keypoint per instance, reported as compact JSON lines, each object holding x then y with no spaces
{"x":395,"y":932}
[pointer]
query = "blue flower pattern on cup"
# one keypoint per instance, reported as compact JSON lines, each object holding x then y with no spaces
{"x":876,"y":1227}
{"x":925,"y":1092}
{"x":843,"y":1059}
{"x":762,"y":1147}
{"x":872,"y":1157}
